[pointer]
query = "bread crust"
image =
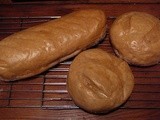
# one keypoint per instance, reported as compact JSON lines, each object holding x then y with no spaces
{"x":135,"y":37}
{"x":36,"y":49}
{"x":99,"y":82}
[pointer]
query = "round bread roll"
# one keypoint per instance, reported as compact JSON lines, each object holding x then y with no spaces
{"x":135,"y":37}
{"x":98,"y":81}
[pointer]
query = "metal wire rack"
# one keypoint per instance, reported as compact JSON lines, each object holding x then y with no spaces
{"x":48,"y":90}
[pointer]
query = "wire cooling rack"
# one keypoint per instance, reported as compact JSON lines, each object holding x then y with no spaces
{"x":48,"y":90}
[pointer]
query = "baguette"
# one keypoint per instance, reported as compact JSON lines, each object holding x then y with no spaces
{"x":36,"y":49}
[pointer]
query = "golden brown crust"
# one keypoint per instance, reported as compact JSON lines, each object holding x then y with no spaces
{"x":135,"y":37}
{"x":38,"y":48}
{"x":98,"y":81}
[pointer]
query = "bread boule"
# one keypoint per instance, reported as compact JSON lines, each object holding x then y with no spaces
{"x":135,"y":37}
{"x":99,"y":82}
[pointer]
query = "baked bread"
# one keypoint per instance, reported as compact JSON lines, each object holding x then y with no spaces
{"x":99,"y":82}
{"x":38,"y":48}
{"x":135,"y":37}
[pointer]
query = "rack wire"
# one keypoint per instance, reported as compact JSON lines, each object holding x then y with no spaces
{"x":48,"y":90}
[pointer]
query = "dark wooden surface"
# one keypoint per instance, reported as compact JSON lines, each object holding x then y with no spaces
{"x":45,"y":96}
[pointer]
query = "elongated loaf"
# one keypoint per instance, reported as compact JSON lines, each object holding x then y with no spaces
{"x":34,"y":50}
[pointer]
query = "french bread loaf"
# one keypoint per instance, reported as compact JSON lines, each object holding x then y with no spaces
{"x":36,"y":49}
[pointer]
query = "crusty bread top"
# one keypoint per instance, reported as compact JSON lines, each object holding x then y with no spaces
{"x":99,"y":81}
{"x":35,"y":49}
{"x":136,"y":38}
